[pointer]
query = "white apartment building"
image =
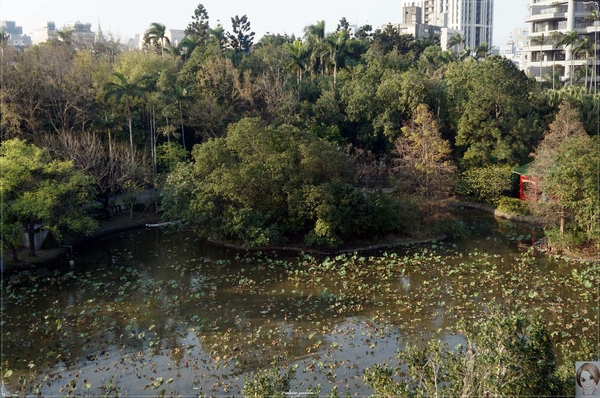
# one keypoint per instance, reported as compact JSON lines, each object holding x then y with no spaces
{"x":16,"y":38}
{"x":413,"y":22}
{"x":548,"y":21}
{"x":474,"y":18}
{"x":44,"y":33}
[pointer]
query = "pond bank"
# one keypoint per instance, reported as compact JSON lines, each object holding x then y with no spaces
{"x":352,"y":249}
{"x":117,"y":223}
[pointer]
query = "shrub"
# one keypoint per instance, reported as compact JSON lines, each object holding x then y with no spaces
{"x":513,"y":206}
{"x":507,"y":355}
{"x":269,"y":382}
{"x":488,"y":183}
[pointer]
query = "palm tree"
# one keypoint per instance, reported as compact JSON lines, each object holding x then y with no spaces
{"x":556,"y":38}
{"x":539,"y":41}
{"x":336,"y":45}
{"x":156,"y":35}
{"x":66,"y":36}
{"x":569,"y":40}
{"x":482,"y":51}
{"x":595,"y":17}
{"x":125,"y":88}
{"x":455,"y":40}
{"x":4,"y":37}
{"x":179,"y":94}
{"x":315,"y":35}
{"x":297,"y":52}
{"x":585,"y":48}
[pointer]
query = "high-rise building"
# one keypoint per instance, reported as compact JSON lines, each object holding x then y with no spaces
{"x":16,"y":37}
{"x":474,"y":18}
{"x":549,"y":55}
{"x":412,"y":23}
{"x":44,"y":33}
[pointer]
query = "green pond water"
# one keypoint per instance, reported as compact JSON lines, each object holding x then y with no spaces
{"x":149,"y":312}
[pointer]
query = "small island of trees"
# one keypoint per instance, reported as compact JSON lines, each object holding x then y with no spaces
{"x":318,"y":140}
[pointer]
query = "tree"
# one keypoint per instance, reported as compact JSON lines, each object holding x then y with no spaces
{"x":423,"y":160}
{"x":297,"y":63}
{"x":585,"y":48}
{"x":492,"y":106}
{"x":539,"y":41}
{"x":455,"y":41}
{"x":263,"y":184}
{"x":4,"y":37}
{"x":569,"y":40}
{"x":572,"y":180}
{"x":127,"y":89}
{"x":242,"y":37}
{"x":314,"y":36}
{"x":179,"y":95}
{"x":107,"y":162}
{"x":504,"y":355}
{"x":197,"y":30}
{"x":155,"y":35}
{"x":343,"y":25}
{"x":39,"y":192}
{"x":566,"y":125}
{"x":336,"y":46}
{"x":556,"y":38}
{"x":482,"y":51}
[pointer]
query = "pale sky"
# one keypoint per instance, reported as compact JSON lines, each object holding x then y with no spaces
{"x":125,"y":18}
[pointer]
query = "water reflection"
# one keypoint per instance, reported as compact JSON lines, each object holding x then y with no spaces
{"x":148,"y":310}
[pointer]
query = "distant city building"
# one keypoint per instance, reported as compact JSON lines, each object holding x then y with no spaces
{"x":516,"y":47}
{"x":414,"y":22}
{"x":81,"y":33}
{"x":16,"y":36}
{"x":549,"y":21}
{"x":472,"y":18}
{"x":44,"y":33}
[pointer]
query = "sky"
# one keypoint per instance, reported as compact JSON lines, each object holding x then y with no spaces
{"x":125,"y":18}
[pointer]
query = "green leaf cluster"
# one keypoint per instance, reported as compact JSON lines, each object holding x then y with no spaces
{"x":266,"y":184}
{"x":39,"y":192}
{"x":505,"y":355}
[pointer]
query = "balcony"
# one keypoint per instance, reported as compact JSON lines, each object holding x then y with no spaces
{"x":541,"y":17}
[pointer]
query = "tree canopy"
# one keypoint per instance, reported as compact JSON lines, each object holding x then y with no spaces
{"x":39,"y":192}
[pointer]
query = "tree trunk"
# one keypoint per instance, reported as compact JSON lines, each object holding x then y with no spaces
{"x":130,"y":131}
{"x":562,"y":221}
{"x":105,"y":200}
{"x":182,"y":128}
{"x":31,"y":235}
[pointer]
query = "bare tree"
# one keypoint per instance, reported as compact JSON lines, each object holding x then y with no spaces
{"x":109,"y":163}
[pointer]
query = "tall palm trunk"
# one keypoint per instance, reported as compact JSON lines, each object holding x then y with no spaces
{"x":182,"y":128}
{"x":129,"y":123}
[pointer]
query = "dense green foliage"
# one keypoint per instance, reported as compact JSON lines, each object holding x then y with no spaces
{"x":362,"y":92}
{"x":39,"y":192}
{"x":260,"y":184}
{"x":506,"y":355}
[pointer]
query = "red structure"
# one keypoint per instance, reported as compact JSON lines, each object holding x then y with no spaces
{"x":528,"y":184}
{"x":528,"y":188}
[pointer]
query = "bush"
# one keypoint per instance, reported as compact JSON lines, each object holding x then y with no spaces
{"x":513,"y":206}
{"x":507,"y":355}
{"x":269,"y":382}
{"x":570,"y":239}
{"x":488,"y":183}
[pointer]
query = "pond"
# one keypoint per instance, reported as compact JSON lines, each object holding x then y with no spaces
{"x":150,"y":312}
